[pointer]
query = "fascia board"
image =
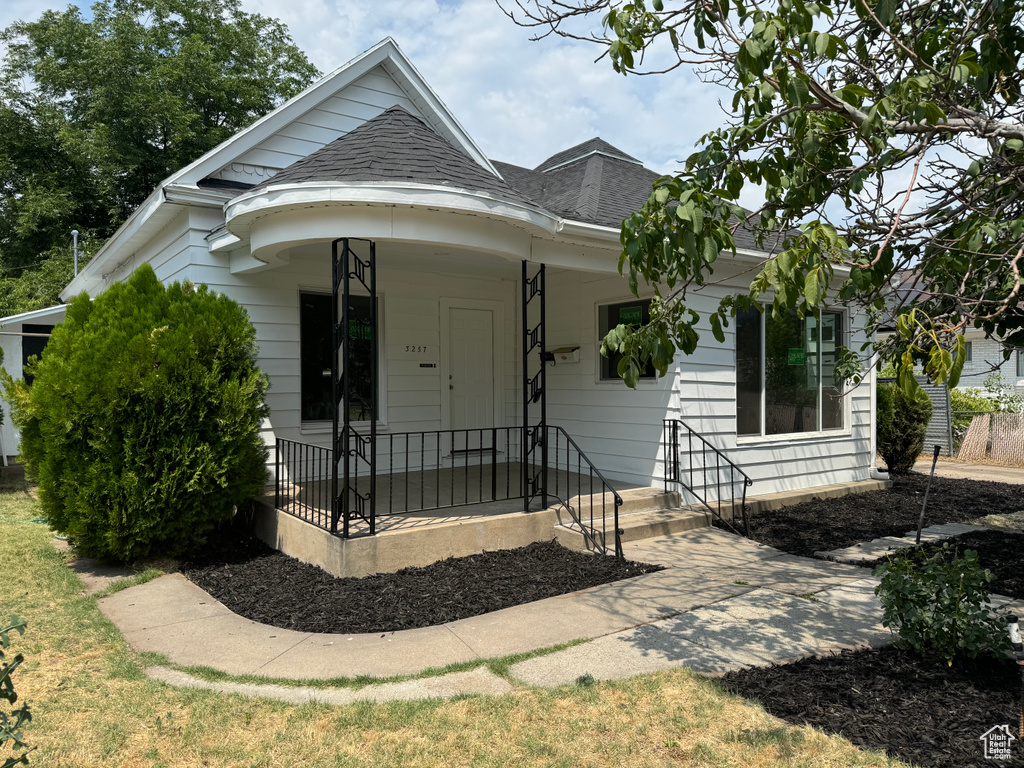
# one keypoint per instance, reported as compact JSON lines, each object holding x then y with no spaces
{"x":244,"y":208}
{"x":182,"y":194}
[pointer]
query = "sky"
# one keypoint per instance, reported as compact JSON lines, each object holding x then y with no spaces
{"x":521,"y":101}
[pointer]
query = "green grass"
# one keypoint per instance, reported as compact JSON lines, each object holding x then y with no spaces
{"x":94,"y":706}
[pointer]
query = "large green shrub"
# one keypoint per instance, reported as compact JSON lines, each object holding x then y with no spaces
{"x":939,"y":604}
{"x":142,"y":424}
{"x":902,"y":421}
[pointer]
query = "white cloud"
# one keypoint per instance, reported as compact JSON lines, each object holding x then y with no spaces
{"x":520,"y":100}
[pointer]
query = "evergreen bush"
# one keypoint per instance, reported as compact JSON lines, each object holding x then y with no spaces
{"x":902,"y":421}
{"x":142,"y":425}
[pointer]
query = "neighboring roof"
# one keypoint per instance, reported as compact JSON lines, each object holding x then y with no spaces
{"x":395,"y":146}
{"x":35,"y":314}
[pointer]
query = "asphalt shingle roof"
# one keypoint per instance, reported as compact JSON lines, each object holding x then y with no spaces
{"x":582,"y":150}
{"x":394,"y":146}
{"x":593,"y":182}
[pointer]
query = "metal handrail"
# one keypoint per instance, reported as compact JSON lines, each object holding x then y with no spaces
{"x":597,"y":539}
{"x":674,"y":473}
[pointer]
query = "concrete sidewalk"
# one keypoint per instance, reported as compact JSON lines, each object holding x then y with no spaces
{"x":722,"y":603}
{"x":961,"y":471}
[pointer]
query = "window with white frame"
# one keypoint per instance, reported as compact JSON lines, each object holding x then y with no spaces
{"x":785,"y":373}
{"x":1020,"y":363}
{"x":315,"y":350}
{"x":609,"y":316}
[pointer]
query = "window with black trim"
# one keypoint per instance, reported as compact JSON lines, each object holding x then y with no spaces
{"x":635,"y":312}
{"x":32,"y":345}
{"x":1020,"y":363}
{"x":785,"y":373}
{"x":315,"y":351}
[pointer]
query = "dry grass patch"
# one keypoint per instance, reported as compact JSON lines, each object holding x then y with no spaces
{"x":93,"y":705}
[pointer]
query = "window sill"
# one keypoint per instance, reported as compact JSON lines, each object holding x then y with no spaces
{"x":792,"y":437}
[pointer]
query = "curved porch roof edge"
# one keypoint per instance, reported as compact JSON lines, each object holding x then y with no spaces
{"x":279,"y":217}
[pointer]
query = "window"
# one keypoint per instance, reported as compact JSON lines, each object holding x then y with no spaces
{"x":315,"y":351}
{"x":785,"y":373}
{"x":1020,"y":363}
{"x":636,"y":312}
{"x":33,"y":345}
{"x":968,"y":351}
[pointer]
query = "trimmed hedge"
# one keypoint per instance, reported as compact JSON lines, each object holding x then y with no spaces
{"x":142,"y":424}
{"x":902,"y":424}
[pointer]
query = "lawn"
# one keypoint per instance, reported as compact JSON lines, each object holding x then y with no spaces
{"x":94,"y":706}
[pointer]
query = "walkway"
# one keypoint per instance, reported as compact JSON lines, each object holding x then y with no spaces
{"x":722,"y":603}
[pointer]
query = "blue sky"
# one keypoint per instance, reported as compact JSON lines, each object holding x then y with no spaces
{"x":520,"y":100}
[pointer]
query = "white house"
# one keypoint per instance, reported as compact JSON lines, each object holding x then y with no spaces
{"x":370,"y":157}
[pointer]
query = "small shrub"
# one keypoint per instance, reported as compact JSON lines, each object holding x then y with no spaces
{"x":939,"y":604}
{"x":902,"y":422}
{"x":12,"y":722}
{"x":142,"y":425}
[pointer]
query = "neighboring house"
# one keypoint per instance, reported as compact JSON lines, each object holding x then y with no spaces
{"x":370,"y":152}
{"x":985,"y":356}
{"x":22,"y":337}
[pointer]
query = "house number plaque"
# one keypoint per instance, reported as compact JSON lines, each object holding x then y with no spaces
{"x":419,"y":350}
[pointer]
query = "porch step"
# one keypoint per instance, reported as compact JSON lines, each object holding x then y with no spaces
{"x":644,"y":514}
{"x":634,"y":500}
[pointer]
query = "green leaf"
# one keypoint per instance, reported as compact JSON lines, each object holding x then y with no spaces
{"x":886,"y":11}
{"x":812,"y":287}
{"x":821,"y":44}
{"x":716,"y":328}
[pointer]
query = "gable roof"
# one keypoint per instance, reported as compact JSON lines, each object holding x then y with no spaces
{"x":191,"y":183}
{"x":394,"y":146}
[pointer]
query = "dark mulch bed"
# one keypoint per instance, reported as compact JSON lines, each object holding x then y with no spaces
{"x":824,"y":524}
{"x":918,"y":710}
{"x":264,"y":585}
{"x":1002,"y":552}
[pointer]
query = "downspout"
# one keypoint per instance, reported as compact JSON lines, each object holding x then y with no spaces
{"x":875,"y":473}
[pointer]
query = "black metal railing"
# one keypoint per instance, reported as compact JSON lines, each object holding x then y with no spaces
{"x":583,"y":492}
{"x":709,"y":475}
{"x":438,"y":469}
{"x":441,"y":469}
{"x":302,"y":481}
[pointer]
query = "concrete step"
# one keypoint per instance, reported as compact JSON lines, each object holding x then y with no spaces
{"x":634,"y":500}
{"x":634,"y":526}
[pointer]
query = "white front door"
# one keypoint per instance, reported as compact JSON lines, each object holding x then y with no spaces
{"x":471,"y":368}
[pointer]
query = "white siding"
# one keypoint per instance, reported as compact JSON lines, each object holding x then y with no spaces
{"x":358,"y":102}
{"x":411,"y":315}
{"x":986,"y":354}
{"x":621,"y":429}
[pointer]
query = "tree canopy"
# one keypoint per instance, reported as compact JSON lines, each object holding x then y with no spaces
{"x":887,"y":137}
{"x":95,"y":112}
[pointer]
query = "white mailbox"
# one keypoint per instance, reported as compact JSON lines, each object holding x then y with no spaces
{"x":565,"y":355}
